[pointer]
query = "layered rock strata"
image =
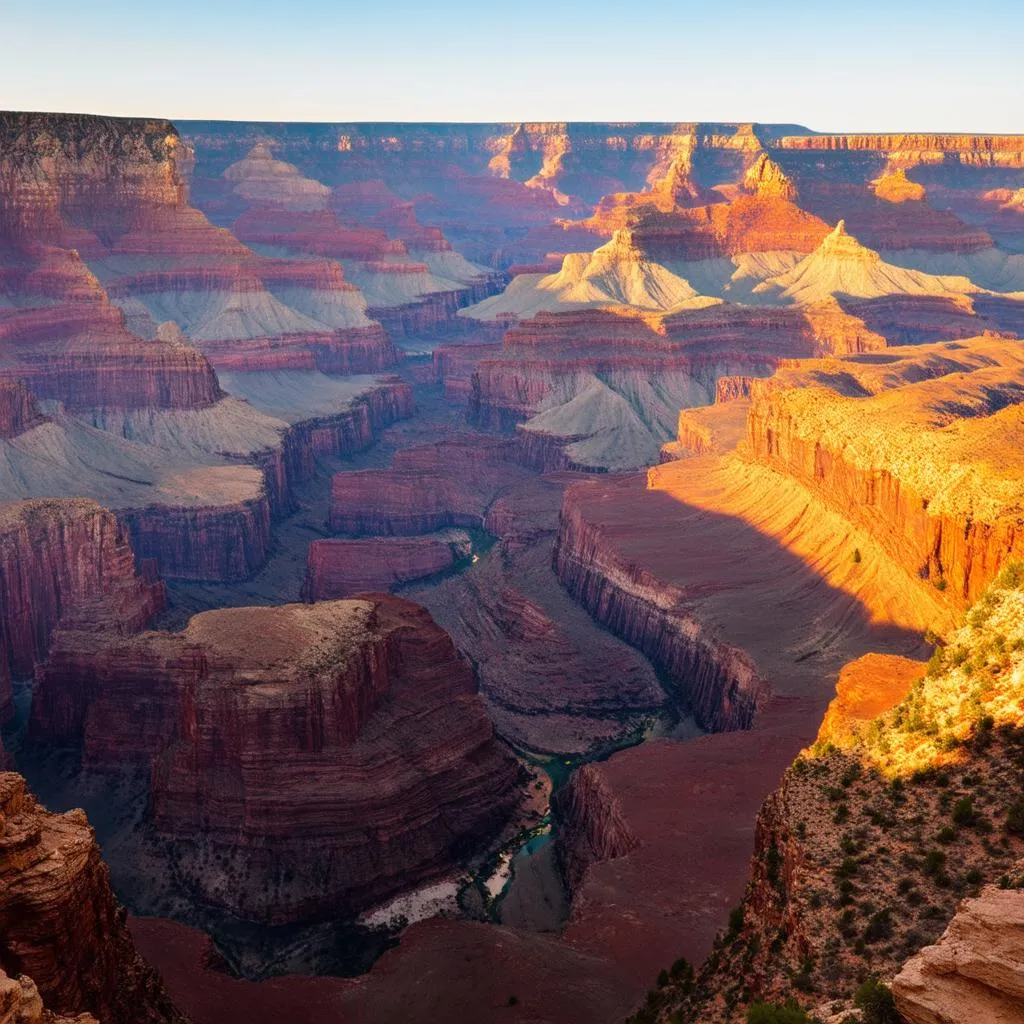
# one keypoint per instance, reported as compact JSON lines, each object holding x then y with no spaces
{"x":63,"y":561}
{"x":62,"y":926}
{"x":393,"y":766}
{"x":897,"y":446}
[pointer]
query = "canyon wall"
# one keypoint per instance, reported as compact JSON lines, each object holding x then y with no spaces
{"x":936,"y":513}
{"x":718,"y":682}
{"x":64,"y":561}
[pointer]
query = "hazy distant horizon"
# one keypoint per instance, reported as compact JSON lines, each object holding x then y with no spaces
{"x":924,"y":67}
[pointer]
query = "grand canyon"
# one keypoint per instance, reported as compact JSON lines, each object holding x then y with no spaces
{"x":528,"y":572}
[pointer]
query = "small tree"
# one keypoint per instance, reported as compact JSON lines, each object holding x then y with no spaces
{"x":876,"y":1002}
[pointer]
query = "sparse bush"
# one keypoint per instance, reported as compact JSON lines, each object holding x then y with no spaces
{"x":1015,"y":818}
{"x":963,"y":811}
{"x":777,"y":1013}
{"x":876,"y":1003}
{"x":879,"y":927}
{"x":856,"y":555}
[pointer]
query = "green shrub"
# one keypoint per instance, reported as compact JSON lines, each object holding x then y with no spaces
{"x":879,"y":927}
{"x":777,"y":1013}
{"x":1015,"y":818}
{"x":876,"y":1003}
{"x":963,"y":811}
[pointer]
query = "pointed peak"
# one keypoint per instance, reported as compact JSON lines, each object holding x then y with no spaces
{"x":839,"y":231}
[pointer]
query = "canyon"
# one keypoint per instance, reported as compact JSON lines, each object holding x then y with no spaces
{"x":454,"y":566}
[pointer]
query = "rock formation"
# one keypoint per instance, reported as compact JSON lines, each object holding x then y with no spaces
{"x":20,"y":1003}
{"x":975,"y":971}
{"x":898,"y":188}
{"x":62,"y":926}
{"x":63,"y":561}
{"x":393,"y":766}
{"x":907,"y":439}
{"x":342,"y":568}
{"x":841,"y":266}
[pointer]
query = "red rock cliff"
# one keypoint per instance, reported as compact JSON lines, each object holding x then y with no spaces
{"x":60,"y":922}
{"x":63,"y":560}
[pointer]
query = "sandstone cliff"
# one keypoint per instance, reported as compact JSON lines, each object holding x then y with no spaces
{"x":61,"y":924}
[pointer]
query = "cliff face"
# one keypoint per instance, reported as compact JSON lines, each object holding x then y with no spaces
{"x":720,"y":683}
{"x":342,"y":568}
{"x":591,"y":827}
{"x":18,"y":409}
{"x":224,"y":542}
{"x":427,"y":488}
{"x":845,"y":431}
{"x":61,"y":924}
{"x":393,"y":764}
{"x":63,"y":561}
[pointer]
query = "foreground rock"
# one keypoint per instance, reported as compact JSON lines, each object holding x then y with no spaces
{"x":62,"y":925}
{"x":392,"y":766}
{"x":20,"y":1003}
{"x":975,"y":971}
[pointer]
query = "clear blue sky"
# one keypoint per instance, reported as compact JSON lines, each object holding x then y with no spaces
{"x":865,"y":64}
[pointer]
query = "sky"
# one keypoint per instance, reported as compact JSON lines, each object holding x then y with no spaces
{"x":853,"y":66}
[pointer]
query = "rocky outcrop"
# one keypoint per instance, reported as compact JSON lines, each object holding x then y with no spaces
{"x":975,"y":971}
{"x":222,"y":542}
{"x":63,"y":561}
{"x":83,"y":356}
{"x":591,"y":826}
{"x":766,"y":179}
{"x":19,"y":410}
{"x":898,"y":188}
{"x":393,"y":767}
{"x":342,"y":568}
{"x":428,"y":487}
{"x":20,"y":1003}
{"x":583,"y":379}
{"x":62,"y":926}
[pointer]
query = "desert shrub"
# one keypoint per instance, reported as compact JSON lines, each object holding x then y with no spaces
{"x":856,"y":554}
{"x":777,"y":1013}
{"x":1015,"y":818}
{"x":876,"y":1003}
{"x":963,"y":811}
{"x":879,"y":927}
{"x":736,"y":920}
{"x":1012,"y":576}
